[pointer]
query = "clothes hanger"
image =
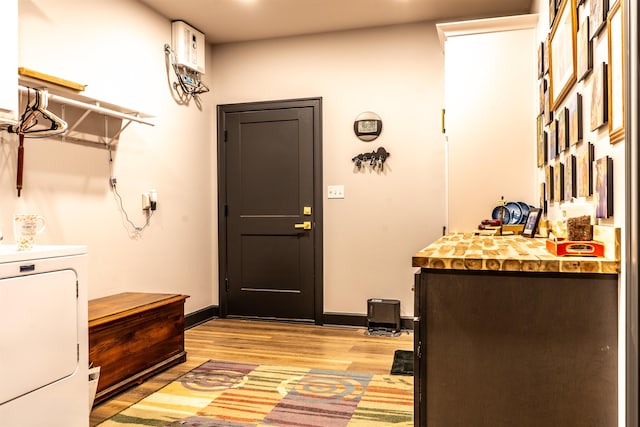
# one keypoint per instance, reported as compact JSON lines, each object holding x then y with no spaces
{"x":29,"y":120}
{"x":32,"y":112}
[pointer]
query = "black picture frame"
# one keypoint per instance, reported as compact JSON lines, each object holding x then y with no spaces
{"x":603,"y":193}
{"x":570,"y":177}
{"x":599,"y":97}
{"x":531,"y":222}
{"x":562,"y":130}
{"x":584,"y":50}
{"x":558,"y":182}
{"x":574,"y":105}
{"x":584,"y":169}
{"x":598,"y":10}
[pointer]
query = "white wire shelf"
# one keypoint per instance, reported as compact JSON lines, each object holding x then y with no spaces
{"x":88,"y":118}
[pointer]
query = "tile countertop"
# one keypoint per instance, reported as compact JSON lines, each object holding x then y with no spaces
{"x":466,"y":251}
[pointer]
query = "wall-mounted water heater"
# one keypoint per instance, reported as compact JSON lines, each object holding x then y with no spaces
{"x":188,"y":45}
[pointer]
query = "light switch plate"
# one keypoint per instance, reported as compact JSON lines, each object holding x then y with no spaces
{"x":335,"y":192}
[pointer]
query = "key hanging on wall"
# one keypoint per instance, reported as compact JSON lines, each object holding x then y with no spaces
{"x":374,"y":159}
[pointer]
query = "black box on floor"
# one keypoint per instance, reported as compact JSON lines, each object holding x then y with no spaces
{"x":383,"y":315}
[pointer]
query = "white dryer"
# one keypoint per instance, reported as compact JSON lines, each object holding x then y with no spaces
{"x":43,"y":337}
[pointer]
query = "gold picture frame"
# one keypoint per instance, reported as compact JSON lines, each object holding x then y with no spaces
{"x":562,"y":53}
{"x":615,"y":75}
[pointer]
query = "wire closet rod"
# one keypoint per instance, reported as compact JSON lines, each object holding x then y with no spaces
{"x":91,"y":107}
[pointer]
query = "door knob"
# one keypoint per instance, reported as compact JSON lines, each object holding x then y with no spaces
{"x":305,"y":225}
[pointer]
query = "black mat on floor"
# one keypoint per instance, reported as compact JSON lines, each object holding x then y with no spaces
{"x":402,"y":363}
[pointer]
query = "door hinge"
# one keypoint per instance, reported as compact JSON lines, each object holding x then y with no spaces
{"x":226,"y":210}
{"x":444,"y":129}
{"x":226,"y":284}
{"x":77,"y":290}
{"x":226,"y":135}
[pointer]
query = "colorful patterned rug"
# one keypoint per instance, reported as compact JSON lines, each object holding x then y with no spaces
{"x":229,"y":394}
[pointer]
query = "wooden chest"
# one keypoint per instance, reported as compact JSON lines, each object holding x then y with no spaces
{"x":133,"y":336}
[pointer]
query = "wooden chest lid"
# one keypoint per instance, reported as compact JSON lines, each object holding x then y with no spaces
{"x":112,"y":307}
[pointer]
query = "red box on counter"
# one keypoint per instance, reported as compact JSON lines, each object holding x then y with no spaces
{"x":563,"y":247}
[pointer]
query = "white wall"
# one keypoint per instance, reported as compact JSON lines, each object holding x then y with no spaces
{"x":9,"y":36}
{"x":116,"y":48}
{"x":397,"y":72}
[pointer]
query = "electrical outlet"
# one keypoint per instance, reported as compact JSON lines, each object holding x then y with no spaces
{"x":335,"y":192}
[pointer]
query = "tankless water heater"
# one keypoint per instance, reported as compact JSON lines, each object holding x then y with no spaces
{"x":188,"y":45}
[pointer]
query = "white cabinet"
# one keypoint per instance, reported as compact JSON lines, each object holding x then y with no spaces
{"x":490,"y":100}
{"x":9,"y":62}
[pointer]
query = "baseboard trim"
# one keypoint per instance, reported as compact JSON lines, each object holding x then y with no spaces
{"x":358,"y":320}
{"x":337,"y":319}
{"x":201,"y":316}
{"x":344,"y":319}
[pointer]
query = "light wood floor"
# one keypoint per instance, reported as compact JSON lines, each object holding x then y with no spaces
{"x":328,"y":347}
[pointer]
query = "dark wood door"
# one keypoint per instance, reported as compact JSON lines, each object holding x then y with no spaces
{"x":270,"y":200}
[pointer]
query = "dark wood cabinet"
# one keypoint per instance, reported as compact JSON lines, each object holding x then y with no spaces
{"x":132,"y":336}
{"x":514,"y":348}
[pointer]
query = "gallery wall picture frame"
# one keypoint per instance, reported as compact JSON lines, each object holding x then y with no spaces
{"x":543,"y":197}
{"x":598,"y":10}
{"x":570,"y":177}
{"x":553,"y":139}
{"x":541,"y":141}
{"x":531,"y":222}
{"x":574,"y":105}
{"x":548,"y":113}
{"x":541,"y":60}
{"x":584,"y":54}
{"x":546,"y":55}
{"x":548,"y":179}
{"x":584,"y":169}
{"x":552,"y":12}
{"x":558,"y":182}
{"x":562,"y":52}
{"x":562,"y":131}
{"x":542,"y":88}
{"x":599,"y":98}
{"x":603,"y":192}
{"x":616,"y":80}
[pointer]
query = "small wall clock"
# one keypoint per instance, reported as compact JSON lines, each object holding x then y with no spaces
{"x":367,"y":126}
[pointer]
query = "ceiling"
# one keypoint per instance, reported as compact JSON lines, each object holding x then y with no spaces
{"x":225,"y":21}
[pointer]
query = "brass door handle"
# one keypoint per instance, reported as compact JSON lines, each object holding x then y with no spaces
{"x":305,"y":225}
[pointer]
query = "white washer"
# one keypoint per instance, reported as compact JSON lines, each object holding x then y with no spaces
{"x":43,"y":337}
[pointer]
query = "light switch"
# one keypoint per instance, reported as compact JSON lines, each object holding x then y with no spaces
{"x":335,"y":192}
